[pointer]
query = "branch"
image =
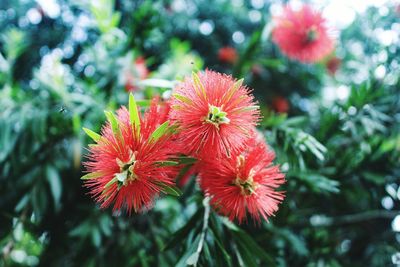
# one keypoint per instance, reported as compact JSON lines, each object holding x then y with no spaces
{"x":322,"y":220}
{"x":194,"y":258}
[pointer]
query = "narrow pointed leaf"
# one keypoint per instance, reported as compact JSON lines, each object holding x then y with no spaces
{"x":95,"y":136}
{"x":187,"y":160}
{"x":170,"y":189}
{"x":111,"y":182}
{"x":160,"y":131}
{"x":182,"y":233}
{"x":198,"y":86}
{"x":182,"y":98}
{"x":92,"y":175}
{"x":114,"y":123}
{"x":134,"y":115}
{"x":231,"y":91}
{"x":166,"y":163}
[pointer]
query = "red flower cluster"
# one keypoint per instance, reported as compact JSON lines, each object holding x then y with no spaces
{"x":227,"y":54}
{"x":280,"y":104}
{"x":212,"y":119}
{"x":332,"y":65}
{"x":245,"y":181}
{"x":215,"y":113}
{"x":137,"y":72}
{"x":302,"y":35}
{"x":127,"y":164}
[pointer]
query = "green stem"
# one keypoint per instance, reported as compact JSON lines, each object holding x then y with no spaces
{"x":206,"y":203}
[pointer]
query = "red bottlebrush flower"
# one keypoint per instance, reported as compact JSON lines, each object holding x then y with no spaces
{"x":257,"y":70}
{"x":280,"y":104}
{"x":333,"y":65}
{"x":302,"y":35}
{"x":227,"y":54}
{"x":128,"y":167}
{"x":244,"y":183}
{"x":138,"y":72}
{"x":215,"y":114}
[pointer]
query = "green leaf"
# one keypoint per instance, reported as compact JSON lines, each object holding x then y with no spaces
{"x":198,"y":86}
{"x":114,"y":124}
{"x":217,"y":239}
{"x":76,"y":123}
{"x":231,"y":91}
{"x":159,"y":132}
{"x":170,"y":189}
{"x":134,"y":115}
{"x":96,"y":237}
{"x":166,"y":163}
{"x":317,"y":182}
{"x":111,"y":182}
{"x":183,"y":99}
{"x":294,"y":242}
{"x":294,"y":121}
{"x":249,"y":248}
{"x":189,"y":254}
{"x":183,"y":232}
{"x":186,"y":160}
{"x":96,"y":137}
{"x":92,"y":175}
{"x":54,"y":180}
{"x":376,"y":178}
{"x":143,"y":102}
{"x":193,"y":258}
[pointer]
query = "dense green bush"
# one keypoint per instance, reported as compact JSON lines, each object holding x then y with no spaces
{"x":62,"y":64}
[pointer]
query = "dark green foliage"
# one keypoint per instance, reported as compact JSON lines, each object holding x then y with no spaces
{"x":341,"y":156}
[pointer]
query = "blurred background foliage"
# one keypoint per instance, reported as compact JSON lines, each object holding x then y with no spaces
{"x":335,"y":132}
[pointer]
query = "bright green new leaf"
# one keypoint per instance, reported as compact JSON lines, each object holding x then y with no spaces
{"x":182,"y":98}
{"x":160,"y":131}
{"x":111,"y":182}
{"x":91,"y":175}
{"x":134,"y":115}
{"x":198,"y":86}
{"x":95,"y":136}
{"x":114,"y":123}
{"x":231,"y":91}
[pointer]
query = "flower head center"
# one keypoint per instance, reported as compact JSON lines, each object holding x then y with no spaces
{"x":247,"y":185}
{"x":127,"y":170}
{"x":216,"y":116}
{"x":311,"y":35}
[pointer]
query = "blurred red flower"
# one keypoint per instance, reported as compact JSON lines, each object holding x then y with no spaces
{"x":244,"y":183}
{"x":302,"y":35}
{"x":136,"y":73}
{"x":227,"y":54}
{"x":280,"y":104}
{"x":124,"y":166}
{"x":332,"y":65}
{"x":257,"y":69}
{"x":215,"y":114}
